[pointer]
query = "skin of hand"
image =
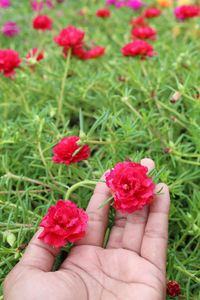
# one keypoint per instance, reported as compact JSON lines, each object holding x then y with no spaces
{"x":132,"y":266}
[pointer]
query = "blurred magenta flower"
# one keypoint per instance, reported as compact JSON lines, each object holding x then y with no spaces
{"x":4,"y":3}
{"x":186,"y":11}
{"x":49,"y":3}
{"x":110,"y":2}
{"x":134,"y":4}
{"x":119,"y":4}
{"x":37,"y":6}
{"x":10,"y":29}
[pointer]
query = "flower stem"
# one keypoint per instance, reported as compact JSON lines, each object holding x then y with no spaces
{"x":60,"y":100}
{"x":195,"y":278}
{"x":76,"y":185}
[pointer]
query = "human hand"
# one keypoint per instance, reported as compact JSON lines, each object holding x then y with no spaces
{"x":132,"y":266}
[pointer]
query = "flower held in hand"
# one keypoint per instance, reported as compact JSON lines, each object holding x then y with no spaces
{"x":64,"y":222}
{"x":130,"y":185}
{"x":65,"y":149}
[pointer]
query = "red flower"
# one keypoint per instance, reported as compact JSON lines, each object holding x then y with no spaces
{"x":152,"y":12}
{"x":138,"y":47}
{"x":173,"y":288}
{"x":130,"y":185}
{"x":82,"y":54}
{"x":103,"y":13}
{"x":69,"y":37}
{"x":65,"y":149}
{"x":9,"y":60}
{"x":140,"y":21}
{"x":42,"y":23}
{"x":64,"y":222}
{"x":96,"y":52}
{"x":144,"y":33}
{"x":34,"y":55}
{"x":186,"y":11}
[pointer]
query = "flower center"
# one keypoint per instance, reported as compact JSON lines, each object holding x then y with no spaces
{"x":126,"y":187}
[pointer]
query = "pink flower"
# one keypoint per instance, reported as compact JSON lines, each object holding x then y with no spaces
{"x":138,"y":47}
{"x":134,"y":4}
{"x":130,"y":185}
{"x":9,"y":60}
{"x":34,"y":55}
{"x":50,"y":4}
{"x":64,"y":222}
{"x":120,"y":4}
{"x":37,"y":6}
{"x":173,"y":288}
{"x":64,"y":151}
{"x":42,"y":22}
{"x":152,"y":12}
{"x":140,"y":22}
{"x":186,"y":12}
{"x":144,"y":33}
{"x":103,"y":13}
{"x":4,"y":3}
{"x":69,"y":37}
{"x":82,"y":54}
{"x":10,"y":29}
{"x":110,"y":2}
{"x":82,"y":12}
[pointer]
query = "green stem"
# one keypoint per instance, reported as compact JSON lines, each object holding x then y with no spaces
{"x":187,"y":273}
{"x":185,"y":154}
{"x":60,"y":101}
{"x":188,"y":161}
{"x":76,"y":185}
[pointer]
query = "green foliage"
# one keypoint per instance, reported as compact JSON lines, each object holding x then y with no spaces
{"x":118,"y":119}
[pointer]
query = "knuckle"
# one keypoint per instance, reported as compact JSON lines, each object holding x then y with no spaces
{"x":93,"y":216}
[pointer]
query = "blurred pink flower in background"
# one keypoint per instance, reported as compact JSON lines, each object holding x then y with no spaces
{"x":4,"y":3}
{"x":37,"y":6}
{"x":10,"y":29}
{"x":49,"y":3}
{"x":119,"y":4}
{"x":134,"y":4}
{"x":110,"y":2}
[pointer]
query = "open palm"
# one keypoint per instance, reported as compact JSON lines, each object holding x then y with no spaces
{"x":132,"y":266}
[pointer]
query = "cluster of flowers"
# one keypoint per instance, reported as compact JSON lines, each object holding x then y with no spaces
{"x":128,"y":182}
{"x":72,"y":38}
{"x":186,"y":11}
{"x":38,"y":5}
{"x":10,"y":60}
{"x":134,"y":4}
{"x":140,"y":32}
{"x":68,"y":38}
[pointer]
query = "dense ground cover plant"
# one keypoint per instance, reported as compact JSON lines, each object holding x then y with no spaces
{"x":123,"y":108}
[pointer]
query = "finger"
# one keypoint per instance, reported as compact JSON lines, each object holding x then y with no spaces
{"x":136,"y":222}
{"x":39,"y":255}
{"x":116,"y":233}
{"x":154,"y":244}
{"x":97,"y":218}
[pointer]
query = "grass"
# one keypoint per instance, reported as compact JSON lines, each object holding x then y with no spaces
{"x":119,"y":119}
